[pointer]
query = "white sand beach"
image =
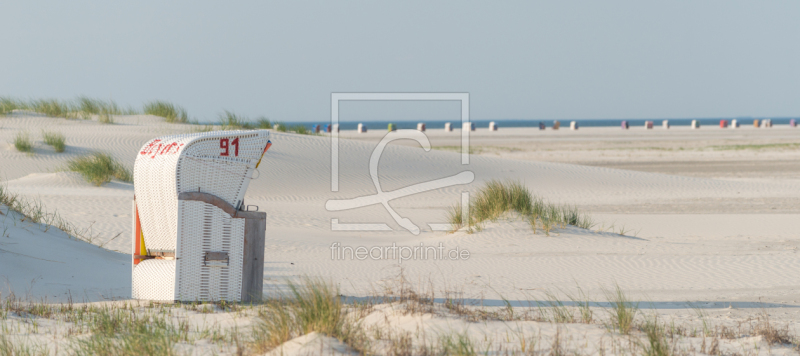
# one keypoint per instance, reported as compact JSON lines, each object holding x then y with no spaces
{"x":706,"y":216}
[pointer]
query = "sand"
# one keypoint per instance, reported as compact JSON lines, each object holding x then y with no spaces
{"x":696,"y":228}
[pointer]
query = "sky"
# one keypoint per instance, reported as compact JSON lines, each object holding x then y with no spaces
{"x":517,"y":60}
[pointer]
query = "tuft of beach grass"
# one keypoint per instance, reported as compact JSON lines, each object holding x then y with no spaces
{"x":99,"y":168}
{"x":263,"y":123}
{"x":497,"y":198}
{"x":229,"y":120}
{"x":622,"y":312}
{"x":658,"y":343}
{"x":310,"y":306}
{"x":8,"y":104}
{"x":55,"y":139}
{"x":23,"y":142}
{"x":105,"y":118}
{"x":171,"y":112}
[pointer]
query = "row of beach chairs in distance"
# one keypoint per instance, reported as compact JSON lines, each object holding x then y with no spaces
{"x":722,"y":124}
{"x":573,"y":125}
{"x":448,"y":127}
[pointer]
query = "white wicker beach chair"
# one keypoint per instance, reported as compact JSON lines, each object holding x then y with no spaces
{"x":189,"y":231}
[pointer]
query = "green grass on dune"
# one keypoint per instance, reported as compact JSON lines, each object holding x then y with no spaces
{"x":55,"y":139}
{"x":229,"y":120}
{"x":497,"y":198}
{"x":84,"y":107}
{"x":81,"y":108}
{"x":310,"y":306}
{"x":171,"y":112}
{"x":23,"y":142}
{"x":99,"y":168}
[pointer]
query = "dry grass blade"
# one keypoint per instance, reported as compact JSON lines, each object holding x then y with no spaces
{"x":771,"y":334}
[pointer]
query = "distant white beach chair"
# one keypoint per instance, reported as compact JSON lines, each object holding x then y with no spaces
{"x":695,"y":124}
{"x":192,"y":241}
{"x":734,"y":124}
{"x":665,"y":124}
{"x":573,"y":125}
{"x":421,"y":127}
{"x":468,"y":126}
{"x":362,"y":128}
{"x":492,"y":126}
{"x":448,"y":127}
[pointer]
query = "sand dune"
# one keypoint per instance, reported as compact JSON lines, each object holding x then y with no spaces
{"x":728,"y":246}
{"x":675,"y":257}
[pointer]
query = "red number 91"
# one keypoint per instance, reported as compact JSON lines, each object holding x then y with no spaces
{"x":225,"y":144}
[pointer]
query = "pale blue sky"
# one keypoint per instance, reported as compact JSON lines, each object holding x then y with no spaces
{"x":532,"y":60}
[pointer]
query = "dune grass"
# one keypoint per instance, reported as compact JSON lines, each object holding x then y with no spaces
{"x":171,"y":112}
{"x":50,"y":107}
{"x":126,"y":332}
{"x":657,"y":341}
{"x":105,"y":118}
{"x":263,"y":123}
{"x":458,"y":344}
{"x":310,"y":306}
{"x":139,"y":328}
{"x":8,"y":104}
{"x":23,"y":142}
{"x":55,"y":139}
{"x":300,"y":129}
{"x":229,"y":120}
{"x":497,"y":198}
{"x":623,"y":311}
{"x":99,"y":168}
{"x":7,"y":348}
{"x":81,"y":108}
{"x":86,"y":106}
{"x":281,"y":126}
{"x":34,"y":211}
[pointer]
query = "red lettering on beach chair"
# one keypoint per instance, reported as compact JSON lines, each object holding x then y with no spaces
{"x":223,"y":143}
